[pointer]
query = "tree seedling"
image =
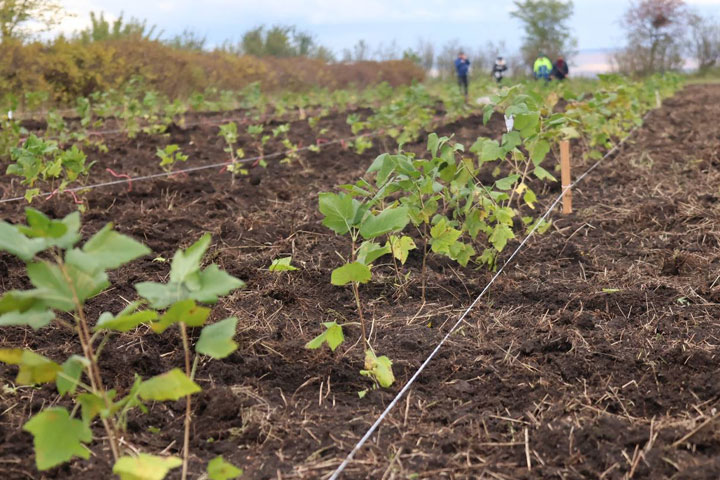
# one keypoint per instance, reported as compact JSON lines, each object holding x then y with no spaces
{"x":64,"y":276}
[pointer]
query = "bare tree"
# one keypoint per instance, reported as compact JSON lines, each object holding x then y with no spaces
{"x":18,"y":16}
{"x":426,"y":53}
{"x":656,"y":32}
{"x":546,"y":29}
{"x":704,"y":41}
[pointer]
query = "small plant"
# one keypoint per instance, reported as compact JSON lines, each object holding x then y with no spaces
{"x":259,"y":142}
{"x":64,"y":278}
{"x":43,"y":159}
{"x":229,"y":133}
{"x":169,"y":156}
{"x":282,"y":265}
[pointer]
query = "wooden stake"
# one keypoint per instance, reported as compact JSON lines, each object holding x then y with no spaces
{"x":565,"y":172}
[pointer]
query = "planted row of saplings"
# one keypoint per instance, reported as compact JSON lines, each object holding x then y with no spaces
{"x":443,"y":201}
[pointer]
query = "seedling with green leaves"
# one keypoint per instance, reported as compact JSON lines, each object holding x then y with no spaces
{"x":65,"y":276}
{"x":42,"y":159}
{"x":364,"y":222}
{"x":229,"y":133}
{"x":169,"y":156}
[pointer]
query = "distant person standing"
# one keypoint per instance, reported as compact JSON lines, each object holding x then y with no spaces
{"x":462,"y":65}
{"x":499,"y":69}
{"x":560,"y":69}
{"x":542,"y":68}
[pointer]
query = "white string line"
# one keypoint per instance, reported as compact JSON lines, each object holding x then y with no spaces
{"x":195,"y":169}
{"x":406,"y":387}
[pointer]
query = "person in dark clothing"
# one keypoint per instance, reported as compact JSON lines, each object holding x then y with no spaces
{"x":560,"y":69}
{"x":462,"y":65}
{"x":499,"y":69}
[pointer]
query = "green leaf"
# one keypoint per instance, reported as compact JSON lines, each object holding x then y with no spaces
{"x":339,"y":210}
{"x":187,"y":262}
{"x":56,"y":292}
{"x":543,"y":174}
{"x":57,"y":438}
{"x":538,"y":151}
{"x":500,"y":236}
{"x":371,"y":251}
{"x":69,"y":376}
{"x":41,"y":226}
{"x":350,"y":272}
{"x":378,"y":368}
{"x":507,"y":182}
{"x":491,"y":151}
{"x":219,"y":469}
{"x":124,"y":322}
{"x":461,"y":253}
{"x":91,"y":406}
{"x":400,"y":247}
{"x":24,"y":308}
{"x":172,"y":385}
{"x":145,"y":467}
{"x":107,"y":249}
{"x":183,"y":311}
{"x":213,"y":283}
{"x":389,"y":220}
{"x":530,"y":198}
{"x":443,"y":236}
{"x":333,"y":336}
{"x":216,"y":340}
{"x":34,"y":368}
{"x":14,"y":242}
{"x":282,"y":265}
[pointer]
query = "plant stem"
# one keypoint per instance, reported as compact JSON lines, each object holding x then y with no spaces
{"x":356,"y":291}
{"x":93,"y":369}
{"x":188,"y":402}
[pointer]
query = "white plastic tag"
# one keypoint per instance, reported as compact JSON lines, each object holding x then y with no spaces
{"x":509,"y":122}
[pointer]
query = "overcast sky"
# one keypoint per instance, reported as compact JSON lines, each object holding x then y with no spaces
{"x":339,"y":24}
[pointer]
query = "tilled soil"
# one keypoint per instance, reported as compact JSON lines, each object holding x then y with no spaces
{"x":593,"y":356}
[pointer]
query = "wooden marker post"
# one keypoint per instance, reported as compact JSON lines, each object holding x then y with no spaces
{"x":565,"y":173}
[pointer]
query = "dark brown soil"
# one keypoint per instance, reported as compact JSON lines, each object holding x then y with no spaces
{"x":598,"y":345}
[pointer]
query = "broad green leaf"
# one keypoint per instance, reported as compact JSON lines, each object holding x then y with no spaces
{"x":91,"y":406}
{"x":500,"y":236}
{"x":378,"y":368}
{"x":333,"y":336}
{"x":504,"y":215}
{"x":24,"y":308}
{"x":145,"y":467}
{"x":350,"y":272}
{"x":282,"y":265}
{"x":124,"y":322}
{"x":69,"y":376}
{"x":371,"y":251}
{"x":216,"y":340}
{"x":57,"y":438}
{"x":161,"y":295}
{"x":55,"y":290}
{"x":172,"y":385}
{"x":187,"y":262}
{"x":219,"y":469}
{"x":339,"y":210}
{"x":14,"y":242}
{"x":543,"y":174}
{"x":461,"y":253}
{"x":389,"y":220}
{"x":41,"y":226}
{"x":107,"y":249}
{"x":491,"y":151}
{"x":186,"y":311}
{"x":400,"y":247}
{"x":34,"y":368}
{"x":507,"y":182}
{"x":538,"y":151}
{"x":443,"y":236}
{"x":213,"y":283}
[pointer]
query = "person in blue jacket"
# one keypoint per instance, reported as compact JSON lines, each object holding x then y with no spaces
{"x":462,"y":65}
